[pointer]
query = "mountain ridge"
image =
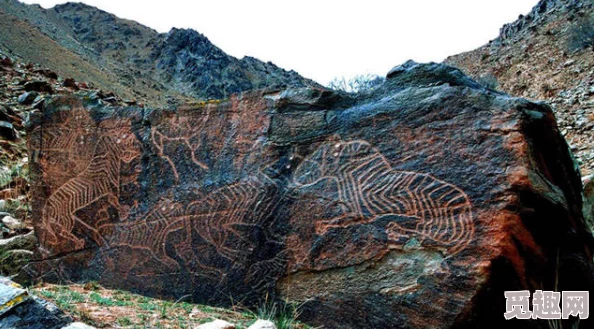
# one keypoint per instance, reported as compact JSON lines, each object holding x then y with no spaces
{"x":171,"y":67}
{"x":533,"y":58}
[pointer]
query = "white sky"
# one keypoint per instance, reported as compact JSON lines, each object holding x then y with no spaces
{"x":323,"y":39}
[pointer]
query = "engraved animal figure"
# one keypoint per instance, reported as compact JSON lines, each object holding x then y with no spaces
{"x":181,"y":131}
{"x":63,"y":137}
{"x":220,"y":216}
{"x":63,"y":145}
{"x":416,"y":204}
{"x":100,"y":178}
{"x":220,"y":219}
{"x":226,"y":220}
{"x":148,"y":233}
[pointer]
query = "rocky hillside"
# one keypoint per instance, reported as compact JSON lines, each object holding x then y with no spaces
{"x":546,"y":55}
{"x":159,"y":68}
{"x":17,"y":38}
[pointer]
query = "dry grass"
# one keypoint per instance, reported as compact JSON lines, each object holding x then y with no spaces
{"x":92,"y":304}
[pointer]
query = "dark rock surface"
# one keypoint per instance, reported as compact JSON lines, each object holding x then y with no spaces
{"x":35,"y":313}
{"x":7,"y":131}
{"x":19,"y":310}
{"x":27,"y":98}
{"x":413,"y":206}
{"x":40,"y":86}
{"x":16,"y":252}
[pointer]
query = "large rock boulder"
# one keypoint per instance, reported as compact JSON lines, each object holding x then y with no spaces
{"x":19,"y":310}
{"x":413,"y":206}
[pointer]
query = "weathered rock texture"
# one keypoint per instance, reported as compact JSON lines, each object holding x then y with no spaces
{"x":18,"y":309}
{"x":414,"y":206}
{"x":533,"y":57}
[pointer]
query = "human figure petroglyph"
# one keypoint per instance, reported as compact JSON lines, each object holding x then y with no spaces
{"x":99,"y":179}
{"x":417,"y":205}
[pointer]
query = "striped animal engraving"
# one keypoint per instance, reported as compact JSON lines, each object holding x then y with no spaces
{"x":219,"y":216}
{"x":217,"y":222}
{"x":100,"y":178}
{"x":416,"y":205}
{"x":148,"y":233}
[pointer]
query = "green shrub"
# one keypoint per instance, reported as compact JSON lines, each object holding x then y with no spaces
{"x":283,"y":314}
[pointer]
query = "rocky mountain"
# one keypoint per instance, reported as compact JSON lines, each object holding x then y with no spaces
{"x":19,"y":40}
{"x":546,"y":55}
{"x":132,"y":59}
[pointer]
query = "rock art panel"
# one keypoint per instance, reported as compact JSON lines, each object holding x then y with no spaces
{"x":181,"y":133}
{"x":100,"y":179}
{"x":420,"y":204}
{"x":98,"y":153}
{"x":414,"y":206}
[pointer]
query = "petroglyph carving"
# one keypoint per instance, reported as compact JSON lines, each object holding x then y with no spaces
{"x":218,"y":217}
{"x":417,"y":205}
{"x":65,"y":136}
{"x":261,"y":273}
{"x":177,"y":132}
{"x":66,"y":144}
{"x":231,"y":231}
{"x":219,"y":221}
{"x":149,"y":233}
{"x":99,"y":179}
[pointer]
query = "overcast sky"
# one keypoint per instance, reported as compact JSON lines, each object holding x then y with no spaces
{"x":323,"y":39}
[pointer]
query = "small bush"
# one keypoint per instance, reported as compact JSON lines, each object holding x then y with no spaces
{"x":101,"y":300}
{"x":21,"y":208}
{"x":581,"y":34}
{"x":358,"y":83}
{"x":284,"y":315}
{"x":8,"y":175}
{"x":124,"y":321}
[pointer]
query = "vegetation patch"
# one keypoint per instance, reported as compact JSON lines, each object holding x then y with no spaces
{"x":103,"y":308}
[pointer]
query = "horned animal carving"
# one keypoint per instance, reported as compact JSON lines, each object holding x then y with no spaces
{"x":417,"y":205}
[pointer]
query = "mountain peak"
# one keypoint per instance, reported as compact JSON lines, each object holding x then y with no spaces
{"x":73,"y":5}
{"x":156,"y":67}
{"x":187,"y":37}
{"x":544,"y":11}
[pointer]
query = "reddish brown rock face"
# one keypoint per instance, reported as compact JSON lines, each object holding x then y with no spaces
{"x":415,"y":206}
